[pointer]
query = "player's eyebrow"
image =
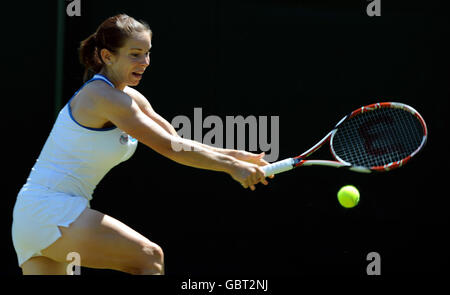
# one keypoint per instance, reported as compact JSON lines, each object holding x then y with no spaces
{"x":139,"y":49}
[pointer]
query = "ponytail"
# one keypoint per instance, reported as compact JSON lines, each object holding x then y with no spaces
{"x":89,"y":57}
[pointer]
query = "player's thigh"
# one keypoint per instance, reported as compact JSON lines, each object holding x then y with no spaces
{"x":104,"y":242}
{"x":43,"y":266}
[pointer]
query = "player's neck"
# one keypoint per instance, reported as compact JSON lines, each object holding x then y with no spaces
{"x":112,"y":79}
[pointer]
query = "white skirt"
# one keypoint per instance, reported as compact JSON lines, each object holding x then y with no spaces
{"x":37,"y":214}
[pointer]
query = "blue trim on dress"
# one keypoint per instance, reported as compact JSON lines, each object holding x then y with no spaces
{"x":95,"y":78}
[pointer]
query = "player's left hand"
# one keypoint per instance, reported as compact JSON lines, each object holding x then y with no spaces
{"x":256,"y":159}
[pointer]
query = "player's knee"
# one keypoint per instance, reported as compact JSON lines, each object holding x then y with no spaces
{"x":154,"y":259}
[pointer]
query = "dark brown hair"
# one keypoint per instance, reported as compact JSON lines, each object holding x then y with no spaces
{"x":112,"y":35}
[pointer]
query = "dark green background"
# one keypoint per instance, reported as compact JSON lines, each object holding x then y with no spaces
{"x":308,"y":62}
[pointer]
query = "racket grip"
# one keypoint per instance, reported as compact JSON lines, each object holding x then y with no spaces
{"x":278,"y":167}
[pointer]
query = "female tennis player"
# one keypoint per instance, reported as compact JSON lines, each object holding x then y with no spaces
{"x":97,"y":129}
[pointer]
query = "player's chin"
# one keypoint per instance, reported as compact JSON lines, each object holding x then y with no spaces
{"x":133,"y":83}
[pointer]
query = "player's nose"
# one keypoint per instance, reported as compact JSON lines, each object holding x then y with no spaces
{"x":145,"y":61}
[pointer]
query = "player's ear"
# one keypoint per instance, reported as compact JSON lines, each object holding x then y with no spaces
{"x":107,"y":56}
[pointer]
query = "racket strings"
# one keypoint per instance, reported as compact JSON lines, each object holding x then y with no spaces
{"x":378,"y":137}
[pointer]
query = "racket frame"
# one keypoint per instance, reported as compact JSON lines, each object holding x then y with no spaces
{"x":298,"y":161}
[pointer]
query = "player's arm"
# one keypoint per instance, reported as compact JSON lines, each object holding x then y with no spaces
{"x":124,"y":112}
{"x":147,"y":109}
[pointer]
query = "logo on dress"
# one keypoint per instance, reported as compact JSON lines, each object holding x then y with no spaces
{"x":125,"y":138}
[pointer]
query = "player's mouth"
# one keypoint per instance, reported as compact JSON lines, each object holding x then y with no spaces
{"x":137,"y":75}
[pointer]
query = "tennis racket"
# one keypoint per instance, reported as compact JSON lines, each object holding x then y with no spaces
{"x":377,"y":137}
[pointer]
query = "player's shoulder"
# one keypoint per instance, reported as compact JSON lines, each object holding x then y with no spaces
{"x":134,"y":93}
{"x":138,"y":97}
{"x":104,"y":96}
{"x":99,"y":88}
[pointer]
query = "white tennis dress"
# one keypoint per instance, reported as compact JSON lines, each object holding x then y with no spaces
{"x":72,"y":162}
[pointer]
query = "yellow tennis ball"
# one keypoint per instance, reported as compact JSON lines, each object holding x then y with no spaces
{"x":348,"y":196}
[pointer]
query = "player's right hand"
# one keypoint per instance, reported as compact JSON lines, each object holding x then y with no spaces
{"x":248,"y":174}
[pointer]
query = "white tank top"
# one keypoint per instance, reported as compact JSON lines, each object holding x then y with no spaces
{"x":75,"y":158}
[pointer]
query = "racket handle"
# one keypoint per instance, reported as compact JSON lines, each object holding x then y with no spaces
{"x":278,"y":167}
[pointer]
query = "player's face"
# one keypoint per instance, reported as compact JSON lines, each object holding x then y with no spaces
{"x":132,"y":59}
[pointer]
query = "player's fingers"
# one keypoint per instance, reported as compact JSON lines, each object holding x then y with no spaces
{"x":271,"y":176}
{"x":245,"y":183}
{"x":261,"y":176}
{"x":251,"y":183}
{"x":255,"y":177}
{"x":266,"y":163}
{"x":252,"y":179}
{"x":262,"y":179}
{"x":261,"y":161}
{"x":257,"y":156}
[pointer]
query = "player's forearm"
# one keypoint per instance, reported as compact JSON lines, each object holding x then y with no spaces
{"x":211,"y":148}
{"x":198,"y":155}
{"x":171,"y":130}
{"x":193,"y":145}
{"x":165,"y":125}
